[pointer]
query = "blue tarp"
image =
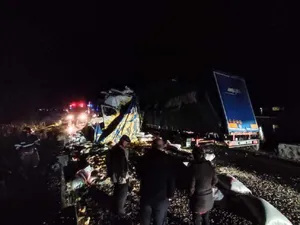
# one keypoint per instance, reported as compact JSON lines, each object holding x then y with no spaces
{"x":97,"y":133}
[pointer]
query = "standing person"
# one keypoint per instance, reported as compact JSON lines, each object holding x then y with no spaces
{"x":117,"y":170}
{"x":157,"y":184}
{"x":27,"y":151}
{"x":203,"y":179}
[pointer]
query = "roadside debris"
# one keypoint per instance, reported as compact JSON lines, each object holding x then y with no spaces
{"x":288,"y":151}
{"x":94,"y":197}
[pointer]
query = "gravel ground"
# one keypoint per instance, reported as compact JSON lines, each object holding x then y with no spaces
{"x":284,"y":197}
{"x":281,"y":190}
{"x":275,"y":180}
{"x":96,"y":209}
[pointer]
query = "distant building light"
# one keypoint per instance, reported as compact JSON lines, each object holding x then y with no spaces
{"x":275,"y":108}
{"x":261,"y":134}
{"x":275,"y":126}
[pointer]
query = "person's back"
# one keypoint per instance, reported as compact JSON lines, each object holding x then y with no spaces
{"x":157,"y":184}
{"x":204,"y":174}
{"x":117,"y":159}
{"x":156,"y":176}
{"x":203,"y":179}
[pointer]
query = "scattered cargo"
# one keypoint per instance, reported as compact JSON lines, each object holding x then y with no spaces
{"x":235,"y":202}
{"x":209,"y":118}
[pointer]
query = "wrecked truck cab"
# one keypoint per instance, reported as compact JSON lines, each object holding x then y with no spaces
{"x":125,"y":120}
{"x":118,"y":114}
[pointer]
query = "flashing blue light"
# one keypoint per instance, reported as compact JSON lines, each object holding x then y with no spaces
{"x":90,"y":105}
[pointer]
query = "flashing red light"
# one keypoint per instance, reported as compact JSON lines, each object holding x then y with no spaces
{"x":77,"y":104}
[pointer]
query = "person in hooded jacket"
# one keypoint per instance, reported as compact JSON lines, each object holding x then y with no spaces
{"x":157,"y":184}
{"x":203,"y":178}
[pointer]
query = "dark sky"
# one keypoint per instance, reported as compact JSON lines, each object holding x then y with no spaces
{"x":52,"y":50}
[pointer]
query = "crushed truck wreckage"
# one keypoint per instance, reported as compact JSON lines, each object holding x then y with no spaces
{"x":85,"y":184}
{"x":119,"y":114}
{"x":87,"y":180}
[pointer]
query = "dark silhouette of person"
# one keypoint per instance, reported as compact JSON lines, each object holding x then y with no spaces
{"x":117,"y":170}
{"x":27,"y":151}
{"x":157,"y":184}
{"x":203,"y":178}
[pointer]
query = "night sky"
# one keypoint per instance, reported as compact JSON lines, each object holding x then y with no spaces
{"x":52,"y":51}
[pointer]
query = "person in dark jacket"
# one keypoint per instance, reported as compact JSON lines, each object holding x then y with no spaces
{"x":117,"y":170}
{"x":203,"y":178}
{"x":157,"y":184}
{"x":27,"y":150}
